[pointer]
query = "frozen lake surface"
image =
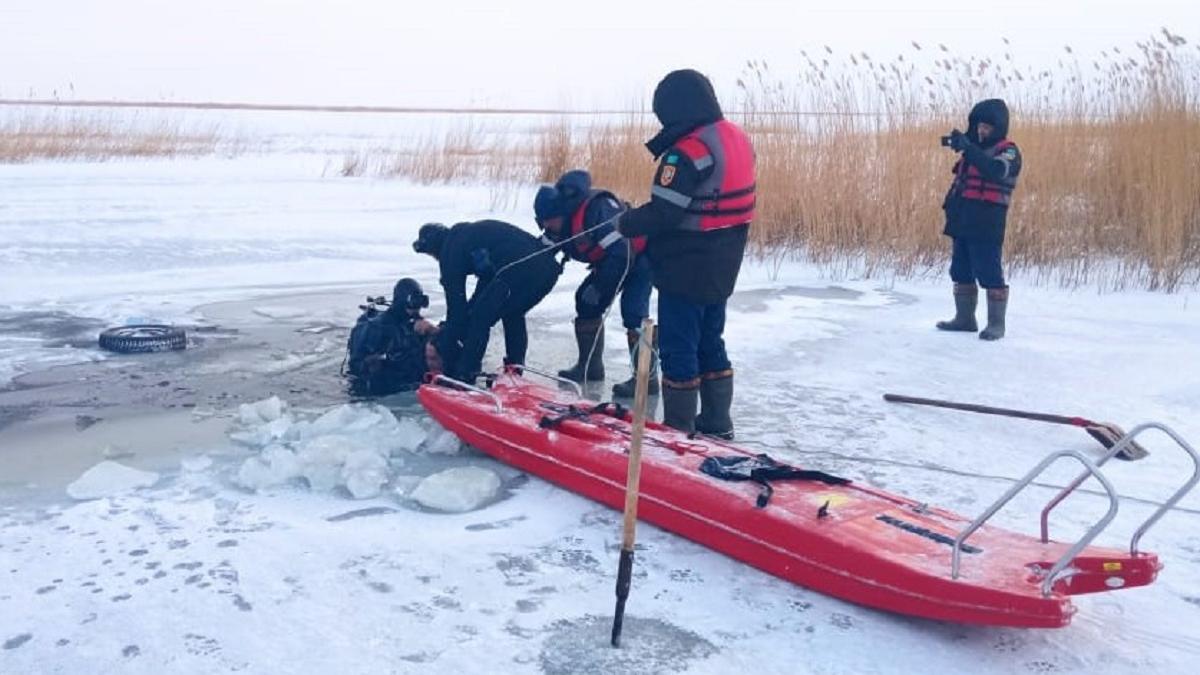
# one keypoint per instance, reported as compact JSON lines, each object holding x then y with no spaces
{"x":265,"y":257}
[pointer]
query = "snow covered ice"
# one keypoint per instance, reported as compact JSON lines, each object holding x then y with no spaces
{"x":301,"y":545}
{"x":108,"y":479}
{"x":351,"y":446}
{"x":261,"y":412}
{"x":457,"y":490}
{"x":196,"y":464}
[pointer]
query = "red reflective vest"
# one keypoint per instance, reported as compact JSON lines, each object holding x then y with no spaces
{"x":970,"y":184}
{"x":726,"y":197}
{"x":588,"y":248}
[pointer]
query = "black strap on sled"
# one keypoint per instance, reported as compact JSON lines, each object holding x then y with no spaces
{"x":761,"y":469}
{"x":575,"y":412}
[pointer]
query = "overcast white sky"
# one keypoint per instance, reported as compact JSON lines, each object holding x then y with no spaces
{"x":510,"y":53}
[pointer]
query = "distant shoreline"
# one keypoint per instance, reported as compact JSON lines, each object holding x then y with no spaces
{"x":303,"y":107}
{"x":413,"y":110}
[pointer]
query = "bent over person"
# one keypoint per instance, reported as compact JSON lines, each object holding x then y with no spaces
{"x":581,"y":221}
{"x":514,"y":272}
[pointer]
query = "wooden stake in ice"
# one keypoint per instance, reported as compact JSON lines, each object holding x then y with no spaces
{"x":641,"y":393}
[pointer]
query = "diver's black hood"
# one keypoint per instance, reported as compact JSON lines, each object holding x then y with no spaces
{"x":408,"y":294}
{"x":683,"y":101}
{"x":994,"y":112}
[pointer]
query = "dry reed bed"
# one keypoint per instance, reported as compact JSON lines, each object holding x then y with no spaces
{"x":1109,"y":195}
{"x":60,"y":134}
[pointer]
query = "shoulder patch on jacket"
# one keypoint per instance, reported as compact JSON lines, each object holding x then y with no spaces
{"x":667,"y":176}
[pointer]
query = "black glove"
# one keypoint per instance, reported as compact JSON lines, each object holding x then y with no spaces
{"x":959,"y":141}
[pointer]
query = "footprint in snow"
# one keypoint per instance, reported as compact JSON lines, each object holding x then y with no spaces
{"x":17,"y":641}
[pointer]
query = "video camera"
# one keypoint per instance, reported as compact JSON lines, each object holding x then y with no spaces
{"x":948,"y":140}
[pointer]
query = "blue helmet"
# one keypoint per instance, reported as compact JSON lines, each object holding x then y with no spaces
{"x":547,"y":204}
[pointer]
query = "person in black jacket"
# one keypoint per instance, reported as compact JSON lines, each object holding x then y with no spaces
{"x":388,"y":351}
{"x":696,"y":223}
{"x":581,"y":221}
{"x":514,"y":272}
{"x":976,"y":213}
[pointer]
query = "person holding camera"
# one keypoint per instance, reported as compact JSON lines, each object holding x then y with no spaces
{"x":572,"y":210}
{"x":514,"y":272}
{"x":976,"y":207}
{"x":390,"y":350}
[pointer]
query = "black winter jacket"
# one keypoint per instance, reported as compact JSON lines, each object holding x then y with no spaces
{"x":483,"y":249}
{"x":701,"y":267}
{"x":972,"y":218}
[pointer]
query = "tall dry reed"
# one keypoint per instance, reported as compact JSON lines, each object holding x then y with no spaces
{"x":1109,"y":193}
{"x":66,"y":134}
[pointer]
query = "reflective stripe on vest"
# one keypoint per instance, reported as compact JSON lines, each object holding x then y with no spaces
{"x":726,"y":197}
{"x":969,"y":183}
{"x":586,"y":249}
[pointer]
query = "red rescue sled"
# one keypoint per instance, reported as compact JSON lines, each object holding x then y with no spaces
{"x":850,"y":541}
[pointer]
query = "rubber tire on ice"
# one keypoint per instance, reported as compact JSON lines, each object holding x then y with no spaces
{"x":143,"y":338}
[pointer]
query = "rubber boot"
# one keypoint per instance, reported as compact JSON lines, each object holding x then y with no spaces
{"x":716,"y":396}
{"x":966,"y":298}
{"x":628,"y":388}
{"x":587,"y":332}
{"x":679,"y":405}
{"x":997,"y":301}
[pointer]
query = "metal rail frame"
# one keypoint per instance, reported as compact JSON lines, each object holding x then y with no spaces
{"x":471,"y":388}
{"x":1117,"y":447}
{"x":1062,"y":562}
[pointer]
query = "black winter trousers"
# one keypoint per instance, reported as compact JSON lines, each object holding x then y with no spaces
{"x":977,"y":261}
{"x":499,"y":301}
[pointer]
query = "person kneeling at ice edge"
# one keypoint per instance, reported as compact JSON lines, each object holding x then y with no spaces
{"x":391,"y":351}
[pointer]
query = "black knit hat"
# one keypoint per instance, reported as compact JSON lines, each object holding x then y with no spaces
{"x":430,"y":238}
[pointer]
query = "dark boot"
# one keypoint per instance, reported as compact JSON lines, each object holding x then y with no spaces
{"x":997,"y":301}
{"x":716,"y":395}
{"x":679,"y":405}
{"x":587,"y":332}
{"x":966,"y":297}
{"x":628,"y":388}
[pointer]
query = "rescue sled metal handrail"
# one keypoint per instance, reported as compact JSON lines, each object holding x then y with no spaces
{"x":1021,"y":484}
{"x":1124,"y":442}
{"x":471,"y":388}
{"x":1179,"y":494}
{"x":562,"y":380}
